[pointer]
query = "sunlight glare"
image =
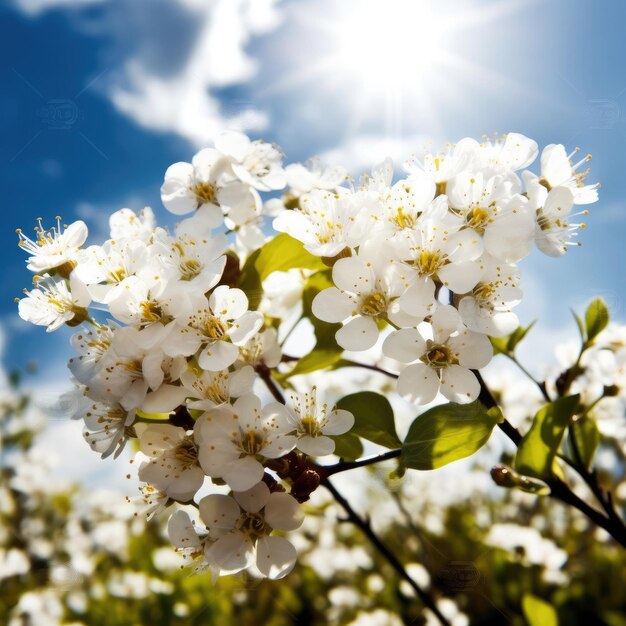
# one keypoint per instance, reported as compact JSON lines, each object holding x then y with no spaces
{"x":388,"y":44}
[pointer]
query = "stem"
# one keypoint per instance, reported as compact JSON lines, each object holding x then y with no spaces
{"x":343,"y":466}
{"x":282,"y":343}
{"x":541,"y":385}
{"x":264,"y":372}
{"x":573,"y":371}
{"x":558,"y":489}
{"x":374,"y":368}
{"x":147,"y":420}
{"x":604,"y":497}
{"x":391,"y":558}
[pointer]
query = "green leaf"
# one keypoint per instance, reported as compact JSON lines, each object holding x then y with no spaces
{"x":537,"y":450}
{"x":581,"y":326}
{"x":517,"y":335}
{"x":538,"y":612}
{"x":279,"y":254}
{"x":584,"y":434}
{"x":326,"y":353}
{"x":324,"y":332}
{"x":348,"y":446}
{"x":283,"y":253}
{"x":317,"y":359}
{"x":373,"y":417}
{"x":250,"y":281}
{"x":596,"y":318}
{"x":447,"y":433}
{"x":507,"y":345}
{"x":500,"y":344}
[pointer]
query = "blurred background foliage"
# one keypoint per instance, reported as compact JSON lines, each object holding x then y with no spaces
{"x":72,"y":556}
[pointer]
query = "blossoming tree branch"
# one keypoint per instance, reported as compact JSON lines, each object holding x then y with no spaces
{"x":179,"y":332}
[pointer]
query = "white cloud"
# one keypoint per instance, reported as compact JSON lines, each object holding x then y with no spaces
{"x":35,"y":7}
{"x":73,"y":461}
{"x":183,"y":103}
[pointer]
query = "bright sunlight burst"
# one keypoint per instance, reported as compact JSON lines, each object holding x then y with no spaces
{"x":394,"y":60}
{"x":389,"y":44}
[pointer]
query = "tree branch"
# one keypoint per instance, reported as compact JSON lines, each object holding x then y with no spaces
{"x":343,"y":466}
{"x":558,"y":489}
{"x":391,"y":558}
{"x":264,"y":372}
{"x":373,"y":368}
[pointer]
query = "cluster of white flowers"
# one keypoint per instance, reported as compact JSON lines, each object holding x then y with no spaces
{"x":165,"y":329}
{"x":455,"y":227}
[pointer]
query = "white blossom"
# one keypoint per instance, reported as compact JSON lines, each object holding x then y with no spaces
{"x":54,"y":250}
{"x":441,"y":359}
{"x":231,"y":439}
{"x":242,"y":525}
{"x":314,"y":423}
{"x":217,"y":327}
{"x":256,"y":163}
{"x":558,"y":170}
{"x":367,"y":289}
{"x":54,"y":302}
{"x":207,"y":183}
{"x":173,"y":461}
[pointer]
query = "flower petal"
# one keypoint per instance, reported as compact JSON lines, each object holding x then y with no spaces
{"x":283,"y":512}
{"x":245,"y":327}
{"x":228,"y":303}
{"x":418,"y":383}
{"x":354,"y":274}
{"x":405,"y":345}
{"x":165,"y":398}
{"x":242,"y":474}
{"x":218,"y":356}
{"x":254,"y":499}
{"x":316,"y":446}
{"x":331,"y":305}
{"x":459,"y":384}
{"x":474,"y":350}
{"x":275,"y":557}
{"x":338,"y":422}
{"x":445,"y":321}
{"x":360,"y":333}
{"x":219,"y":512}
{"x":232,"y":552}
{"x":181,"y":531}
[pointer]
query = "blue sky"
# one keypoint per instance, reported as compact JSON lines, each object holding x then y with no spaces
{"x":98,"y":98}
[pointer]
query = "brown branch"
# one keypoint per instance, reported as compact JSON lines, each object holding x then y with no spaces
{"x":384,"y":550}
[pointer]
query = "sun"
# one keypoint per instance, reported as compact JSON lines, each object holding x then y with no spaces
{"x":390,"y":64}
{"x":387,"y":47}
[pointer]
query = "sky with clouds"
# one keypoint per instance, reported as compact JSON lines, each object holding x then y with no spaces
{"x":98,"y":98}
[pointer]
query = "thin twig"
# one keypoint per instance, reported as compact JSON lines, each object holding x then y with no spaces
{"x":541,"y":385}
{"x":373,"y":368}
{"x":604,"y":497}
{"x":391,"y":558}
{"x":342,"y":466}
{"x":558,"y":489}
{"x":288,"y":333}
{"x":264,"y":372}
